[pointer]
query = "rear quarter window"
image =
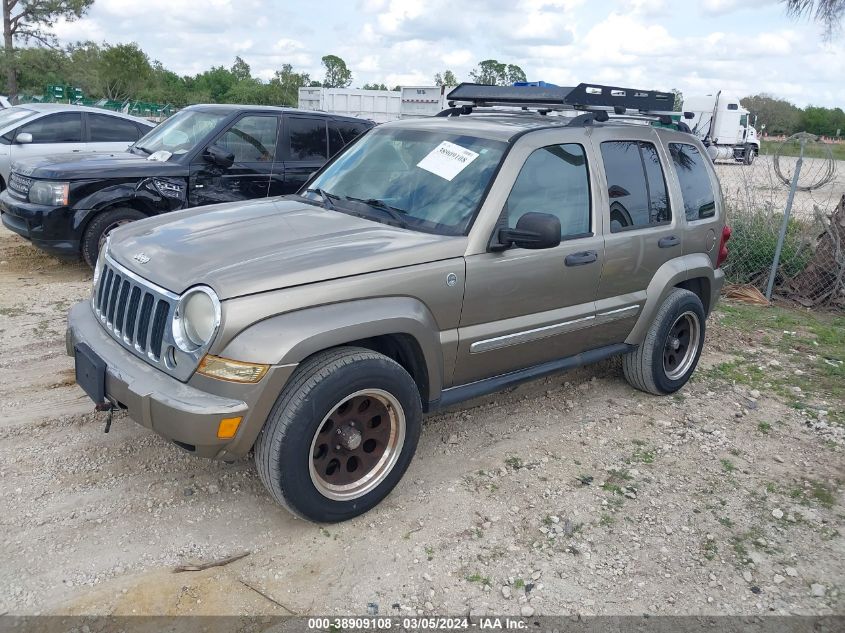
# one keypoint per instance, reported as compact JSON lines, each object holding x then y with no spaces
{"x":635,"y":185}
{"x":696,"y":187}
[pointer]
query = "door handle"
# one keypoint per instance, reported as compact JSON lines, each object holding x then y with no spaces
{"x":579,"y":259}
{"x":668,"y":242}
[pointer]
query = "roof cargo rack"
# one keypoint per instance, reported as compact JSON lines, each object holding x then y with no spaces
{"x":581,"y":97}
{"x":602,"y":101}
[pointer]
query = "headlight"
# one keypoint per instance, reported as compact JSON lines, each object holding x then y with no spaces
{"x":169,"y":188}
{"x":98,"y":268}
{"x":197,"y":318}
{"x":49,"y":193}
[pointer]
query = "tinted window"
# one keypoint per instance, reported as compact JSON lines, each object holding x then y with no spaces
{"x":733,"y":106}
{"x":109,"y":129}
{"x":699,"y":199}
{"x":635,"y":185}
{"x":56,"y":128}
{"x":307,"y":139}
{"x":251,"y":139}
{"x":335,"y":140}
{"x":351,"y":131}
{"x":554,"y":180}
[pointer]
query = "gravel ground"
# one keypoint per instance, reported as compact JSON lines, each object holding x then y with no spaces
{"x":574,"y":494}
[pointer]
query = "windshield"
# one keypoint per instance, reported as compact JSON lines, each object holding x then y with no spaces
{"x":428,"y":181}
{"x":13,"y":115}
{"x":180,"y":133}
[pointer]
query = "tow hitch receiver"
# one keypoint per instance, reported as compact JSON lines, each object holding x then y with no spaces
{"x":109,"y":408}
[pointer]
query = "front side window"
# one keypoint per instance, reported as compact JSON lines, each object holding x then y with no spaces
{"x":635,"y":185}
{"x":554,"y":180}
{"x":109,"y":129}
{"x":252,"y":139}
{"x":307,"y":139}
{"x":55,"y":128}
{"x":180,"y":133}
{"x":696,"y":188}
{"x":422,"y":180}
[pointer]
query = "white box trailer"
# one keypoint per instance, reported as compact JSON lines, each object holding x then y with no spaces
{"x":380,"y":106}
{"x":420,"y":101}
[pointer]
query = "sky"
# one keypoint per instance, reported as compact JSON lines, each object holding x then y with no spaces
{"x":741,"y":47}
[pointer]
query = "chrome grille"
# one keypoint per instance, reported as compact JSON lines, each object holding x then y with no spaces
{"x":20,"y":184}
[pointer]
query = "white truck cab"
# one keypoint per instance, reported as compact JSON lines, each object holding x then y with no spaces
{"x":724,"y":127}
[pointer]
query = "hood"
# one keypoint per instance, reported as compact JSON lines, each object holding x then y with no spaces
{"x":246,"y":248}
{"x":96,"y":165}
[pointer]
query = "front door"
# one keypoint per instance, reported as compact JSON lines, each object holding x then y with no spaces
{"x":525,"y":307}
{"x":252,"y":140}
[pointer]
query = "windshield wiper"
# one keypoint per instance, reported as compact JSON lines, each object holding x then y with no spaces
{"x":394,"y":212}
{"x":326,"y":196}
{"x":143,"y":149}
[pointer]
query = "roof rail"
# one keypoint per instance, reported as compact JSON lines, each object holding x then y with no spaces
{"x":587,"y":97}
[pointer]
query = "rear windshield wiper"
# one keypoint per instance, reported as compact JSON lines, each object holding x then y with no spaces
{"x":394,"y":212}
{"x":326,"y":196}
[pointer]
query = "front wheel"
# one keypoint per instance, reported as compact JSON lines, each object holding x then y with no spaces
{"x":665,"y":360}
{"x":341,"y":434}
{"x":99,"y":228}
{"x":750,"y":154}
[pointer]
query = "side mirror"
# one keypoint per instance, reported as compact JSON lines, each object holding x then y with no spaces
{"x":533,"y":230}
{"x":219,"y":156}
{"x":24,"y":138}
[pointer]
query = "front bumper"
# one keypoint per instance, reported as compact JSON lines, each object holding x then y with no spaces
{"x":52,"y":229}
{"x":185,"y":413}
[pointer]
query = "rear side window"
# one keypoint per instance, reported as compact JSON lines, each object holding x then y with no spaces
{"x":554,"y":180}
{"x":307,"y":139}
{"x":336,"y":142}
{"x":252,"y":139}
{"x":65,"y":127}
{"x":351,"y":131}
{"x":697,"y":190}
{"x":109,"y":129}
{"x":635,"y":185}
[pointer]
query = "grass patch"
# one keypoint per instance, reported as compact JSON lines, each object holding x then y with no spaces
{"x":728,"y":466}
{"x":764,"y":428}
{"x":519,"y":583}
{"x":811,"y":150}
{"x":514,"y":462}
{"x":476,"y":577}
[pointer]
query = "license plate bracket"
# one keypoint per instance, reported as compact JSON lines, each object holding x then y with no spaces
{"x":90,"y":373}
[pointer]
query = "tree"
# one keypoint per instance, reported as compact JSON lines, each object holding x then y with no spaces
{"x":446,"y":79}
{"x":375,"y":87}
{"x":679,"y":100}
{"x":31,"y":20}
{"x":241,"y":70}
{"x":779,"y":116}
{"x":494,"y":73}
{"x":124,"y":70}
{"x":827,"y":12}
{"x":337,"y":74}
{"x":286,"y":84}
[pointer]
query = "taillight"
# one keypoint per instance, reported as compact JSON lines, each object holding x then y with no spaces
{"x":723,"y":246}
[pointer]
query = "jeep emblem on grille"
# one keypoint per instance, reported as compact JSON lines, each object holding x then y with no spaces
{"x":141,"y":258}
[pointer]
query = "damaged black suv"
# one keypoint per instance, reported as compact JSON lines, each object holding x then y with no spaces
{"x":204,"y":154}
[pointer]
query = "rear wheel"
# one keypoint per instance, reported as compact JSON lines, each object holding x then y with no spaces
{"x":665,"y":360}
{"x":99,"y":228}
{"x":341,"y":434}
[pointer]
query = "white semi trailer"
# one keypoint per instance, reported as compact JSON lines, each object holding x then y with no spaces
{"x":724,"y":127}
{"x":380,"y":106}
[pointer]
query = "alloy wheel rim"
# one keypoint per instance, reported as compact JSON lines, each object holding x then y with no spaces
{"x":357,"y":445}
{"x":681,"y":345}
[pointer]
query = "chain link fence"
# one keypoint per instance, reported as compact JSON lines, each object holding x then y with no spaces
{"x":811,"y":263}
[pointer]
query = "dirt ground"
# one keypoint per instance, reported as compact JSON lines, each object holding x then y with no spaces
{"x":574,"y":494}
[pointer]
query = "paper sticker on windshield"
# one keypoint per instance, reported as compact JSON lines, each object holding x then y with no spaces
{"x":447,"y":160}
{"x":161,"y":155}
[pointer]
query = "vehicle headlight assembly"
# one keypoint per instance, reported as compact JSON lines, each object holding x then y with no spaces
{"x":98,"y":268}
{"x":169,"y":188}
{"x":196,"y":319}
{"x":49,"y":193}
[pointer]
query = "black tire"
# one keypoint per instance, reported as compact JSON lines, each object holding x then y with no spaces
{"x":102,"y":224}
{"x":646,"y":368}
{"x":285,"y":449}
{"x":750,"y":154}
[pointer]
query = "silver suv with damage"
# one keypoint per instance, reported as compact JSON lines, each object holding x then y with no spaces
{"x":432,"y":261}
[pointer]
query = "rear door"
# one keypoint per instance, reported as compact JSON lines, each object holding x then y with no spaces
{"x":642,"y":231}
{"x":107,"y":133}
{"x":306,"y":148}
{"x":525,"y":307}
{"x":57,"y":133}
{"x":252,"y":139}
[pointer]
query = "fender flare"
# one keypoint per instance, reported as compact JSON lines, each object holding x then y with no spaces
{"x":667,"y":277}
{"x":290,"y":338}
